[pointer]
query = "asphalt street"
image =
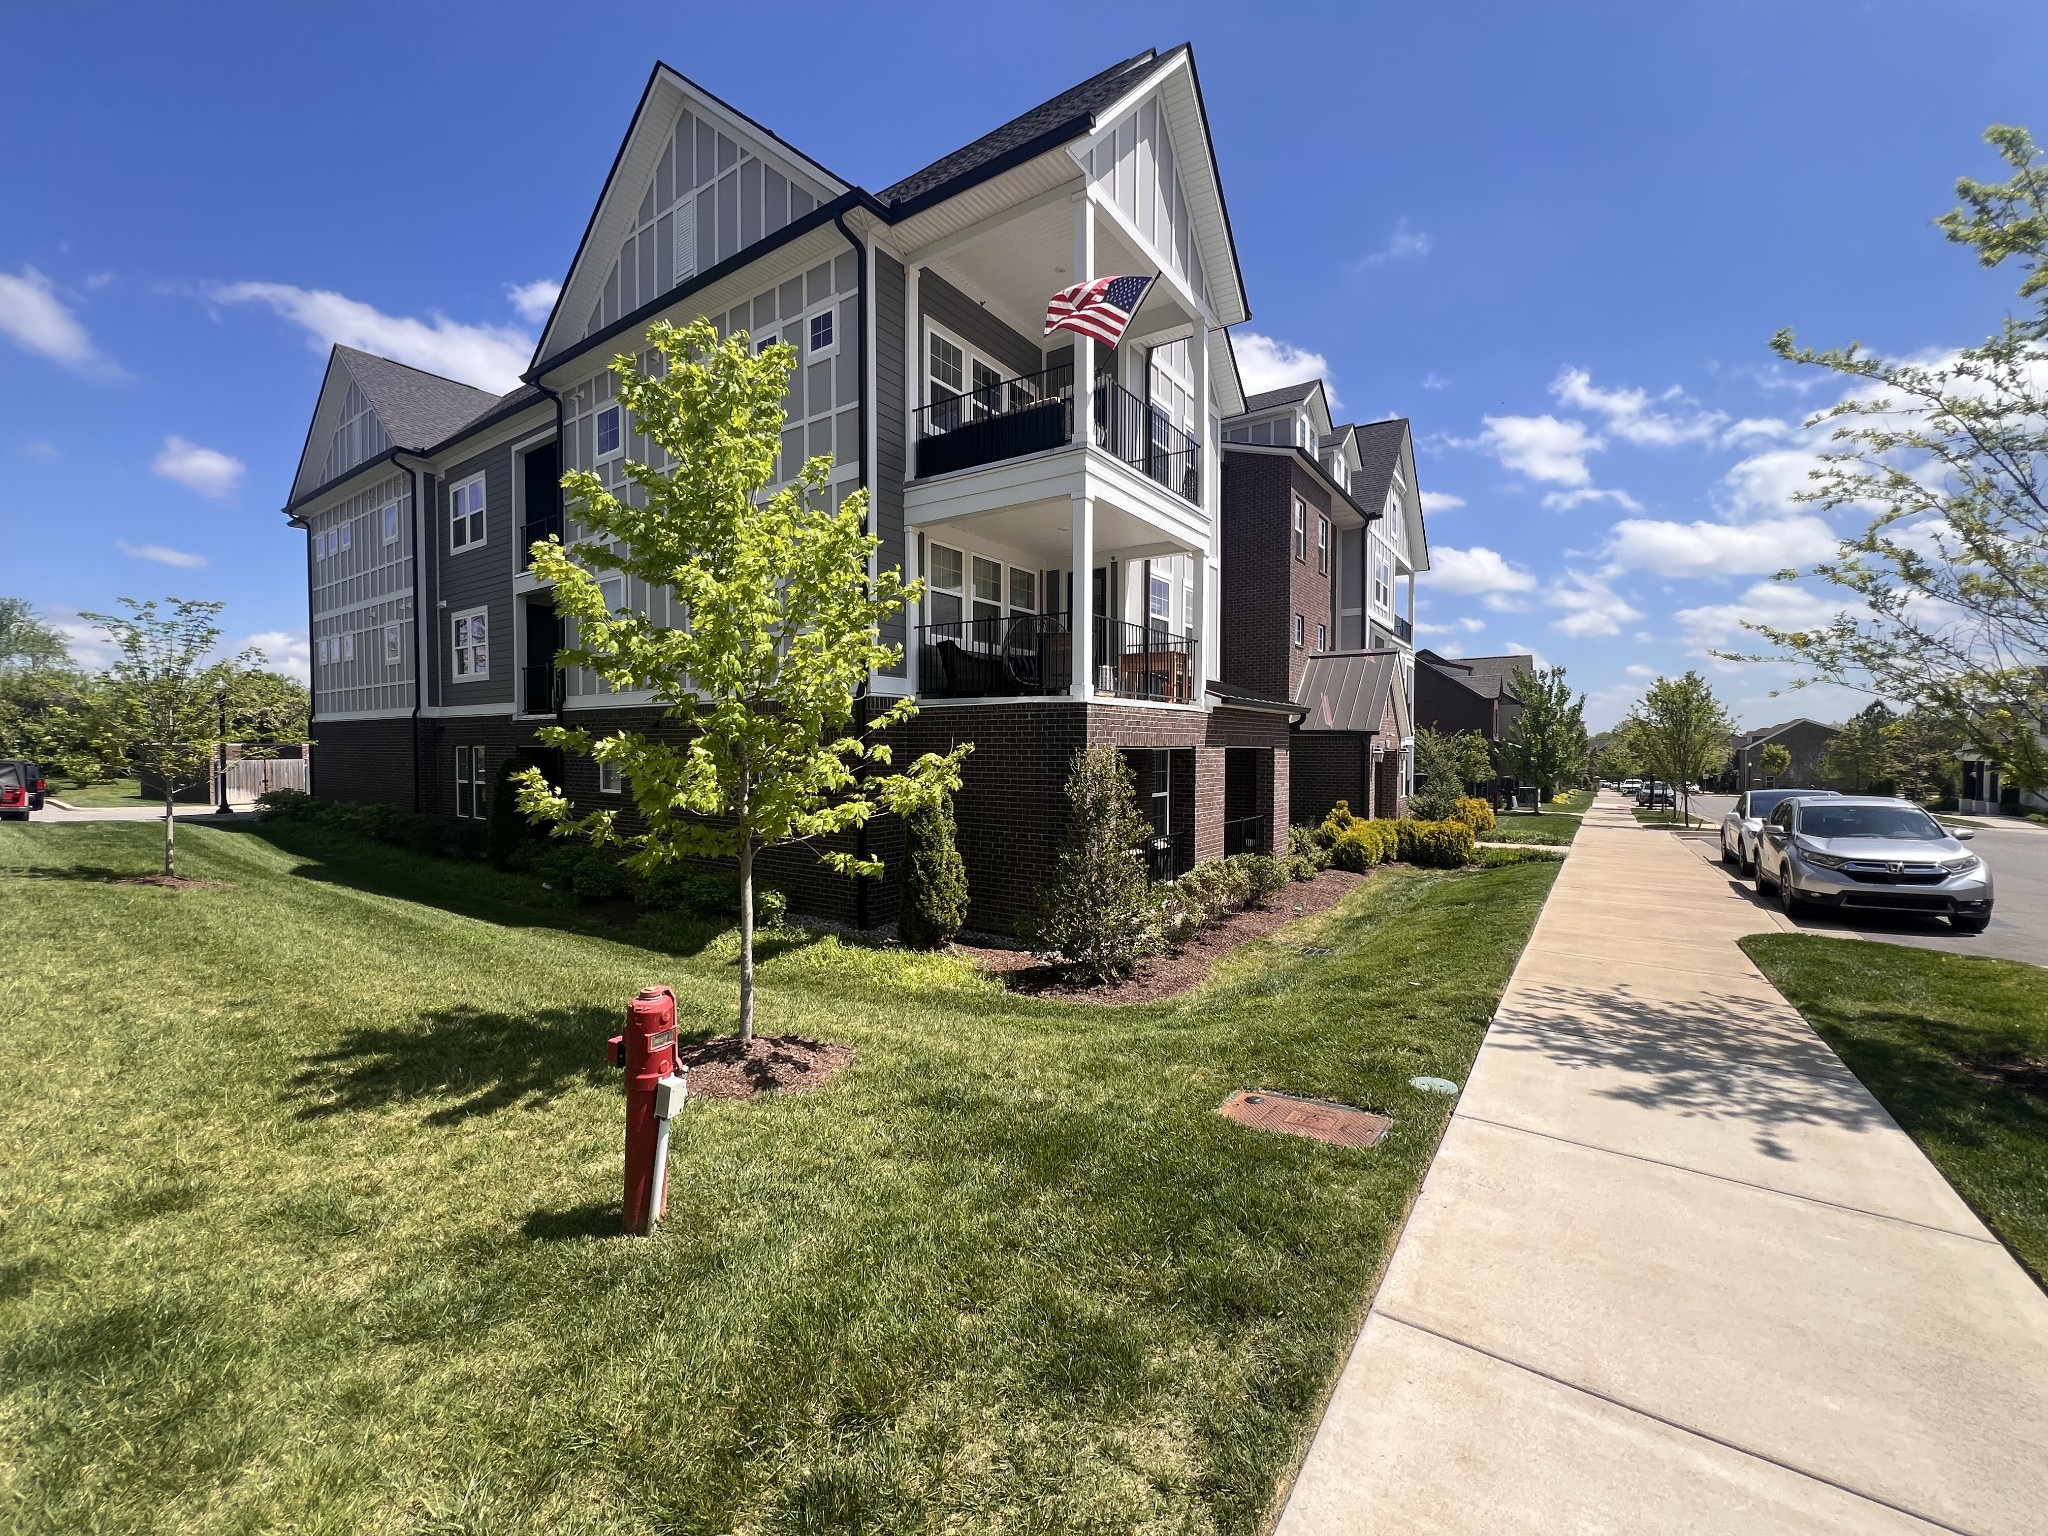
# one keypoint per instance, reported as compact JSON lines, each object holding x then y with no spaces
{"x":2016,"y":852}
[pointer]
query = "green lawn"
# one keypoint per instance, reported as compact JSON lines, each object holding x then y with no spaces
{"x":1943,"y":1041}
{"x":1544,"y":827}
{"x":1577,"y":801}
{"x":311,"y":1201}
{"x":114,"y":792}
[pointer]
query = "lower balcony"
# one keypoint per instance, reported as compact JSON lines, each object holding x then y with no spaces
{"x":1032,"y":656}
{"x":541,"y":690}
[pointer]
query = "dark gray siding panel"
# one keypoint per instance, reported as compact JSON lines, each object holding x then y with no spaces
{"x":939,"y":300}
{"x":479,"y":578}
{"x":889,"y":427}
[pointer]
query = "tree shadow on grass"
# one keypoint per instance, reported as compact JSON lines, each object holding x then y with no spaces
{"x":84,"y":874}
{"x":460,"y":1063}
{"x":592,"y":1219}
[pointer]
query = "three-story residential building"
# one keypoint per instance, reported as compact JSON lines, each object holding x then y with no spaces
{"x":1061,"y":499}
{"x":1323,"y":537}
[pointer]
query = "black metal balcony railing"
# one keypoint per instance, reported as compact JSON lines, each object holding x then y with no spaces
{"x":1404,"y":629}
{"x":535,"y":529}
{"x":1244,"y":834}
{"x":1008,"y":418}
{"x":541,"y":690}
{"x":1025,"y":655}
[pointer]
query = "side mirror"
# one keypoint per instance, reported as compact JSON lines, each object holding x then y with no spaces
{"x":1961,"y":836}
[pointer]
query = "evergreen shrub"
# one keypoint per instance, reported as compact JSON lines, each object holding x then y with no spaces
{"x":1096,"y":915}
{"x":933,"y":904}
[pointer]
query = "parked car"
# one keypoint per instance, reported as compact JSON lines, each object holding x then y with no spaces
{"x":1653,"y":794}
{"x":14,"y":792}
{"x":1630,"y":786}
{"x":1743,"y":826}
{"x":31,"y":776}
{"x":1871,"y":853}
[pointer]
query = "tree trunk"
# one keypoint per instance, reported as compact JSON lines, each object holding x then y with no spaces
{"x":170,"y":831}
{"x":746,"y":942}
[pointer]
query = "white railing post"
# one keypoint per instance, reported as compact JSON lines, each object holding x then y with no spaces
{"x":1082,"y":619}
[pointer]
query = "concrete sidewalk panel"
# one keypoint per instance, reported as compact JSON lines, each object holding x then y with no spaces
{"x":1478,"y":1447}
{"x":1888,"y":1358}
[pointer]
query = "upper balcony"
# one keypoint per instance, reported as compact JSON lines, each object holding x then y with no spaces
{"x":1009,"y":418}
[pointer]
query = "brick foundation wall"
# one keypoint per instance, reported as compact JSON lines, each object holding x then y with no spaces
{"x":368,"y":761}
{"x":1329,"y":766}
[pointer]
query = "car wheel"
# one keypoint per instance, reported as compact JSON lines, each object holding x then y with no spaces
{"x":1726,"y":856}
{"x":1764,"y":883}
{"x":1970,"y":922}
{"x":1746,"y":860}
{"x":1789,"y":900}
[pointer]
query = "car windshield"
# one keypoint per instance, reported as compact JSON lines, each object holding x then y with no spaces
{"x":1764,"y":801}
{"x":1820,"y":819}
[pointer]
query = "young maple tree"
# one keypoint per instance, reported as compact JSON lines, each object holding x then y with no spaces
{"x":782,"y":629}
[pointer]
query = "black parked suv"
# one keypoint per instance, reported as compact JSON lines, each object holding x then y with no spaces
{"x":29,"y":779}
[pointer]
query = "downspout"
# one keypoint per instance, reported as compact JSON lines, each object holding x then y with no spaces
{"x":558,"y":698}
{"x":419,"y":619}
{"x":860,"y":385}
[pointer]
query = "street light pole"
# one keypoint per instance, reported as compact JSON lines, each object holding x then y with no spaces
{"x":220,"y":754}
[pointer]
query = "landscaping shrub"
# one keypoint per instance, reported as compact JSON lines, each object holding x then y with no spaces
{"x":1435,"y":844}
{"x":1333,"y":825}
{"x":509,"y":834}
{"x":706,"y":893}
{"x":433,"y":835}
{"x":1303,"y":867}
{"x":1358,"y":845}
{"x":1266,"y":874}
{"x":1214,"y":889}
{"x":1475,"y":813}
{"x":1096,"y":915}
{"x":934,"y":895}
{"x":1435,"y":799}
{"x":1306,"y":852}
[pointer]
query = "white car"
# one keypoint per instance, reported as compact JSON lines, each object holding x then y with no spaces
{"x":1630,"y":786}
{"x":1743,"y":827}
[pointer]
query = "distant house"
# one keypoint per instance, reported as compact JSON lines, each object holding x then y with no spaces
{"x":1806,"y":740}
{"x":1468,"y":693}
{"x":1985,"y":791}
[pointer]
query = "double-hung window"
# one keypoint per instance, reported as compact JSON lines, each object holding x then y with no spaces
{"x":1159,"y":605}
{"x":1300,"y":529}
{"x":1323,"y":546}
{"x":1300,"y":631}
{"x":394,"y":645}
{"x":471,"y":651}
{"x":946,"y":382}
{"x":466,"y":513}
{"x":1322,"y":637}
{"x":348,"y":535}
{"x":944,"y":584}
{"x":611,"y":432}
{"x":390,"y":517}
{"x":609,"y":780}
{"x":988,"y":600}
{"x":1023,"y":591}
{"x":472,"y":789}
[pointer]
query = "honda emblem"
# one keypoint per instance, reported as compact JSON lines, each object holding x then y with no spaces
{"x":1895,"y":869}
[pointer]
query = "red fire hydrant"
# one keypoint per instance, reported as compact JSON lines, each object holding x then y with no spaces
{"x":654,"y":1094}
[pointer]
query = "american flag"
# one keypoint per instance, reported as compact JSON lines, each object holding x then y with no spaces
{"x":1100,"y":308}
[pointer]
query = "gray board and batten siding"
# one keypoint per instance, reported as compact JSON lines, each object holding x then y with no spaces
{"x":477,"y":578}
{"x":891,"y":433}
{"x":939,"y":301}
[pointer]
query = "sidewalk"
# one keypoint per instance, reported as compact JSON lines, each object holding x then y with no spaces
{"x":1675,"y":1269}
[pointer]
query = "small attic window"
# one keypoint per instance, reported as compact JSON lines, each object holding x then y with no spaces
{"x":609,"y":438}
{"x":391,"y":523}
{"x":823,"y":335}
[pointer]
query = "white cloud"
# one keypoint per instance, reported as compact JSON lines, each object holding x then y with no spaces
{"x":1592,"y":608}
{"x":41,"y":448}
{"x":1516,"y":648}
{"x":488,"y":356}
{"x":1477,"y":569}
{"x":1441,"y":501}
{"x":162,"y":555}
{"x":1759,"y":429}
{"x":205,"y":470}
{"x":285,"y":651}
{"x":1782,"y":605}
{"x":1765,"y":484}
{"x":1500,"y":602}
{"x":36,"y":320}
{"x":1632,"y":416}
{"x":1717,"y":549}
{"x":1434,"y":381}
{"x":1564,"y":501}
{"x":1542,"y":447}
{"x":1467,"y":625}
{"x":1403,"y":245}
{"x":1637,"y":669}
{"x":1264,"y":363}
{"x":534,"y":300}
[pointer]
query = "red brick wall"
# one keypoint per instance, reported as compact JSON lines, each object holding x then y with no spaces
{"x":1264,"y":586}
{"x":1329,"y":766}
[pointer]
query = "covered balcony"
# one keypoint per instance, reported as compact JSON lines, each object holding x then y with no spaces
{"x":1032,"y":655}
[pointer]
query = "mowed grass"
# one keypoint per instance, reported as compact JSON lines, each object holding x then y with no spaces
{"x":311,"y":1200}
{"x":114,"y":792}
{"x":1951,"y":1045}
{"x":1547,"y":828}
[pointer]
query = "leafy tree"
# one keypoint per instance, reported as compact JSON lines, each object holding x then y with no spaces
{"x":1926,"y":756}
{"x":1775,"y":760}
{"x":267,"y":709}
{"x":1860,"y":755}
{"x":1096,"y":915}
{"x":933,"y":903}
{"x":1612,"y":759}
{"x":1951,"y":571}
{"x":158,"y":711}
{"x":1441,"y":759}
{"x":1548,"y":747}
{"x":761,"y":680}
{"x":46,"y":714}
{"x":26,"y":642}
{"x":1680,"y":730}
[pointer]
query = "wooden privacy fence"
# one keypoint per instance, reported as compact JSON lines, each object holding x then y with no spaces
{"x":250,"y":777}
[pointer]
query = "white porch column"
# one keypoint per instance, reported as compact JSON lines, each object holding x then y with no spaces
{"x":1204,"y":663}
{"x":1082,"y":619}
{"x":1411,"y":608}
{"x":1084,"y":347}
{"x":913,"y":613}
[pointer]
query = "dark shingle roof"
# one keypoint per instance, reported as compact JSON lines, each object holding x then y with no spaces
{"x":1286,"y":394}
{"x":417,"y":408}
{"x":1486,"y":676}
{"x":1071,"y":113}
{"x":1379,"y":451}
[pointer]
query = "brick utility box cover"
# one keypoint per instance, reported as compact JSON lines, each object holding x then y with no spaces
{"x":1317,"y":1119}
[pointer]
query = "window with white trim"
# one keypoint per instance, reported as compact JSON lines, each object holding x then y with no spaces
{"x":1159,"y":604}
{"x":763,"y":342}
{"x":824,"y":334}
{"x":1322,"y":637}
{"x":394,"y":645}
{"x":945,"y":572}
{"x":1300,"y":631}
{"x":988,"y":597}
{"x":1382,"y":581}
{"x":390,"y":517}
{"x":348,"y":647}
{"x":1300,"y":529}
{"x":960,"y":384}
{"x":1023,"y":591}
{"x":466,"y":513}
{"x":609,"y":780}
{"x":348,"y":535}
{"x":469,"y":641}
{"x":472,"y":788}
{"x":611,"y":436}
{"x":1322,"y":546}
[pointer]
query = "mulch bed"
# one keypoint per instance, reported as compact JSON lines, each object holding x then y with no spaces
{"x":2027,"y":1076}
{"x":1176,"y":973}
{"x":178,"y":883}
{"x":719,"y":1069}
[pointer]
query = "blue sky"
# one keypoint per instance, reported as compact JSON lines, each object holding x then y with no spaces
{"x":1556,"y":237}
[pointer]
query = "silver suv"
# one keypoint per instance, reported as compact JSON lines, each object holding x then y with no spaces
{"x":1871,"y":854}
{"x":1743,"y":827}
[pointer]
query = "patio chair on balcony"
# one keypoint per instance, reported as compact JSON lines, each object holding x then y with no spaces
{"x":968,"y":675}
